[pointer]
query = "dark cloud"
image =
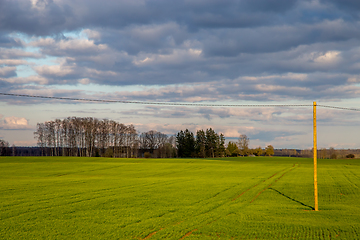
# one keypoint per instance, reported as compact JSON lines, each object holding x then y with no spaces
{"x":7,"y":41}
{"x":43,"y":18}
{"x":225,"y":42}
{"x":46,"y":17}
{"x":200,"y":51}
{"x":277,"y":6}
{"x":7,"y":72}
{"x":206,"y":50}
{"x":154,"y":38}
{"x":347,"y":4}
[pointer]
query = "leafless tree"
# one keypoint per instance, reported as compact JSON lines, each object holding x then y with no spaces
{"x":243,"y":144}
{"x":40,"y":136}
{"x":90,"y":137}
{"x":4,"y":148}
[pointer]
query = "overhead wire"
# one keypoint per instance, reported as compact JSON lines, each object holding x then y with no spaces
{"x":157,"y":103}
{"x":341,"y":108}
{"x":175,"y":103}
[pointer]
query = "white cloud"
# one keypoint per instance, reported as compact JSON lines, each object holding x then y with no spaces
{"x":92,"y":34}
{"x":55,"y":70}
{"x":15,"y":123}
{"x":176,"y":57}
{"x":228,"y":131}
{"x":68,"y":46}
{"x":328,"y":57}
{"x":26,"y":80}
{"x":16,"y":53}
{"x":80,"y":45}
{"x":42,"y":42}
{"x":39,"y":4}
{"x":12,"y":62}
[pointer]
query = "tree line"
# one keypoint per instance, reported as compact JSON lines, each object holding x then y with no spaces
{"x":210,"y":144}
{"x":241,"y":148}
{"x":204,"y":144}
{"x":91,"y":137}
{"x":4,"y":148}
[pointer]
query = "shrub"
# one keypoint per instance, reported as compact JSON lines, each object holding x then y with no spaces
{"x":350,"y":155}
{"x":147,"y":155}
{"x":109,"y":153}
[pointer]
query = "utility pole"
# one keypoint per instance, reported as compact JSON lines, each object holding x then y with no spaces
{"x":315,"y":159}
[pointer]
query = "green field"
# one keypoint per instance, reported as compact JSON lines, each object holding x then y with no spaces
{"x":230,"y":198}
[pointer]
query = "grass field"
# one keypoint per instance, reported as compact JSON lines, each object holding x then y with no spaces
{"x":231,"y":198}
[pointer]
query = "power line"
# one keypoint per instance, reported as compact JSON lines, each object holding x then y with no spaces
{"x":157,"y":103}
{"x":175,"y":104}
{"x":341,"y":108}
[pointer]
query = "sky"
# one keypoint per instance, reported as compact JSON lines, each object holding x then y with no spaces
{"x":219,"y":52}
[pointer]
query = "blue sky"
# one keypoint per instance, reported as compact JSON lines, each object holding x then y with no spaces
{"x":186,"y":51}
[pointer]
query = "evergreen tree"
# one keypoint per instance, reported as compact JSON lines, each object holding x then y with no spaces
{"x":201,"y":143}
{"x":212,"y":140}
{"x":185,"y":143}
{"x":221,"y":146}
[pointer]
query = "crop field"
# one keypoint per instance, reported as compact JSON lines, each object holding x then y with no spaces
{"x":230,"y":198}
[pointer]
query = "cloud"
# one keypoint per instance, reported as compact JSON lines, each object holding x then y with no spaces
{"x":40,"y":17}
{"x":232,"y":42}
{"x":12,"y":62}
{"x":7,"y":41}
{"x":192,"y":51}
{"x":68,"y":47}
{"x":270,"y":136}
{"x":15,"y":123}
{"x":7,"y":72}
{"x":152,"y":38}
{"x":352,"y":5}
{"x":16,"y":53}
{"x":257,"y":135}
{"x":138,"y":43}
{"x":40,"y":91}
{"x":263,"y":88}
{"x":50,"y":16}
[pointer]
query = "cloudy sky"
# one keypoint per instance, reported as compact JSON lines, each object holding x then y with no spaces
{"x":185,"y":51}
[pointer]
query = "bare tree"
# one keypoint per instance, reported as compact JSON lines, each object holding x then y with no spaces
{"x":4,"y":148}
{"x":40,"y":136}
{"x":161,"y":142}
{"x":243,"y":144}
{"x":132,"y":141}
{"x":91,"y":137}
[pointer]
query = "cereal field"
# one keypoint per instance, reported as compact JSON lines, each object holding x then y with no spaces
{"x":229,"y":198}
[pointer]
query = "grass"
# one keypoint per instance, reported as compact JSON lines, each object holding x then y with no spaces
{"x":230,"y":198}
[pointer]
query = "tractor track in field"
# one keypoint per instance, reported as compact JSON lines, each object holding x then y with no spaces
{"x":75,"y":200}
{"x":272,"y":183}
{"x":151,"y":234}
{"x":285,"y":171}
{"x":98,"y":191}
{"x":188,"y":234}
{"x":263,"y":182}
{"x":272,"y":176}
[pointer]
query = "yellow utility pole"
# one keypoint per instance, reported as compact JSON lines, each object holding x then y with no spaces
{"x":315,"y":160}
